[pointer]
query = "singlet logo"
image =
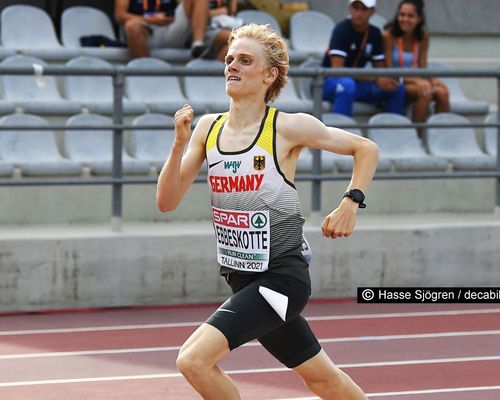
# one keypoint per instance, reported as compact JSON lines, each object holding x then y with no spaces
{"x":259,"y":163}
{"x":235,"y":165}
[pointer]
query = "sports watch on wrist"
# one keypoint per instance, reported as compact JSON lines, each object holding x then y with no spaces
{"x":357,"y":196}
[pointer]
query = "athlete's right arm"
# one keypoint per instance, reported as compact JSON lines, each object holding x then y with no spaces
{"x":180,"y":170}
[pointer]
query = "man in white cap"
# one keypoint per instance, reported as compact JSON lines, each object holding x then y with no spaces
{"x":354,"y":43}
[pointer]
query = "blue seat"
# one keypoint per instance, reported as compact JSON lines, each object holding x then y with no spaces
{"x":34,"y":152}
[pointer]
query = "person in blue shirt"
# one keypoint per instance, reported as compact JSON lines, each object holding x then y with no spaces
{"x":354,"y":43}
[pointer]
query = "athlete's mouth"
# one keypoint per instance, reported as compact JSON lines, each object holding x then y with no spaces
{"x":233,"y":78}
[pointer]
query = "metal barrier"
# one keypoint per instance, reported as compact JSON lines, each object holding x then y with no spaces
{"x":118,"y":74}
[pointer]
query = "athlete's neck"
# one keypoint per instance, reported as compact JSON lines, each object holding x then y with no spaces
{"x":245,"y":113}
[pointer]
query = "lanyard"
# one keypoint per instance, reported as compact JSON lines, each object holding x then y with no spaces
{"x":145,"y":5}
{"x":415,"y":46}
{"x":361,"y":48}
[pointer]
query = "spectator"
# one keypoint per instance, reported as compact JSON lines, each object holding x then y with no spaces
{"x":222,"y":17}
{"x":406,"y":45}
{"x":353,"y":43}
{"x":165,"y":23}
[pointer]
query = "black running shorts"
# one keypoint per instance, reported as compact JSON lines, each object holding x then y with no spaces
{"x":247,"y":315}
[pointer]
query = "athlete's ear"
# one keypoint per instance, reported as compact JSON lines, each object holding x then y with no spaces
{"x":271,"y":75}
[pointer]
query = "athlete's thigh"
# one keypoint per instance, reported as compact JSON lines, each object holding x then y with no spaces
{"x":292,"y":343}
{"x":245,"y":316}
{"x":206,"y":343}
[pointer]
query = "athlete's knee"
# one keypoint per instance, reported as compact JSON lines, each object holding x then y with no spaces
{"x":189,"y":364}
{"x":332,"y":382}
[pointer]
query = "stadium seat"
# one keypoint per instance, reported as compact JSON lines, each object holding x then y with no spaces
{"x":6,"y":169}
{"x":265,"y":18}
{"x":81,"y":21}
{"x":259,"y":17}
{"x":161,"y":94}
{"x":289,"y":100}
{"x":459,"y":102}
{"x":458,"y":145}
{"x":310,"y":32}
{"x":152,"y":145}
{"x":36,"y":94}
{"x":35,"y":152}
{"x":94,"y":148}
{"x":29,"y":29}
{"x":402,"y":145}
{"x":490,"y":136}
{"x":208,"y":90}
{"x":95,"y":92}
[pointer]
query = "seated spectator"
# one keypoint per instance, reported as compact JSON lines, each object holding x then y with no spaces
{"x":406,"y":44}
{"x":353,"y":43}
{"x":165,"y":23}
{"x":222,"y":17}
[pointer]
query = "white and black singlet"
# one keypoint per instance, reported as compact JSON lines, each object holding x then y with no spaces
{"x":261,"y":249}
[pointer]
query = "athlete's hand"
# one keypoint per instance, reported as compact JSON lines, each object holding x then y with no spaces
{"x":183,"y":119}
{"x":340,"y":222}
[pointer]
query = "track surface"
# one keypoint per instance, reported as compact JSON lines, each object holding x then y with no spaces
{"x":393,"y":351}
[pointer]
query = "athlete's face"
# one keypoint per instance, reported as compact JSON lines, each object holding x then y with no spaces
{"x":246,"y":70}
{"x":408,"y":18}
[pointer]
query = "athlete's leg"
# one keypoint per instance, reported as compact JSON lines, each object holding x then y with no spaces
{"x":327,"y":381}
{"x":197,"y":361}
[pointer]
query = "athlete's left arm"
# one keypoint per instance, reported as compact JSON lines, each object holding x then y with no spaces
{"x":307,"y":131}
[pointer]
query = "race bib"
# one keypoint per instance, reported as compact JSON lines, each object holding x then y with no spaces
{"x":243,"y":239}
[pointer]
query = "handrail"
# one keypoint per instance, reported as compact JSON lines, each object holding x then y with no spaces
{"x":118,"y":74}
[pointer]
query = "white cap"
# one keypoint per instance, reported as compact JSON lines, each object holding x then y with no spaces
{"x":366,"y":3}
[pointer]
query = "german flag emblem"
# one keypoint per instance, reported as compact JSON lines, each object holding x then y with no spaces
{"x":259,"y":163}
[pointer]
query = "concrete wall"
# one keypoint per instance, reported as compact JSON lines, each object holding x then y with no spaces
{"x":88,"y":266}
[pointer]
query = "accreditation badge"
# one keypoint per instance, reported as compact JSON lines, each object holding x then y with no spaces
{"x":243,"y":239}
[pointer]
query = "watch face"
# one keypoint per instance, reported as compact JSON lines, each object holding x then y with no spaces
{"x":357,"y":195}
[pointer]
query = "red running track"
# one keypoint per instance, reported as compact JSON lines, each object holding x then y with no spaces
{"x":393,"y":351}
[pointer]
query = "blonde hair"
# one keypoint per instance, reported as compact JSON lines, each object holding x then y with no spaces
{"x":275,"y":53}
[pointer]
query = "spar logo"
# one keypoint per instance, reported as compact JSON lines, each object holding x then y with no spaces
{"x":259,"y":220}
{"x":232,"y":218}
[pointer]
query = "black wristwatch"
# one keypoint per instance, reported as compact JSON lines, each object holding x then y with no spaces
{"x":357,"y":196}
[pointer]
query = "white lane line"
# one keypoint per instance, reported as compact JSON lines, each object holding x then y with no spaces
{"x":197,"y":323}
{"x":251,"y":344}
{"x":414,"y":392}
{"x":248,"y":371}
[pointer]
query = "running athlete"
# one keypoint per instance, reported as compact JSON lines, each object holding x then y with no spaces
{"x":252,"y":151}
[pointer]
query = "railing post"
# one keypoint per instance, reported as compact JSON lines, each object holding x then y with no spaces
{"x":117,"y":191}
{"x":317,"y":94}
{"x":497,"y":200}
